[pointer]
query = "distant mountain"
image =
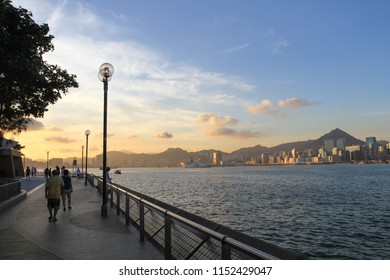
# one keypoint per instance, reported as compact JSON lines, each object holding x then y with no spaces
{"x":173,"y":156}
{"x":248,"y":153}
{"x":318,"y":143}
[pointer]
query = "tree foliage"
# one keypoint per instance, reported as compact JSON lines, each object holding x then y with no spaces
{"x":28,"y":84}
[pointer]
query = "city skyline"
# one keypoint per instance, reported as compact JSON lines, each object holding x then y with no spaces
{"x":342,"y":148}
{"x":200,"y":75}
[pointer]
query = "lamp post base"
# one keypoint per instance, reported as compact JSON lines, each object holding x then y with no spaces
{"x":104,"y":210}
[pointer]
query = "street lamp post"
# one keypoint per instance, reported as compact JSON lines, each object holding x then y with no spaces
{"x":47,"y":161}
{"x":106,"y":71}
{"x":87,"y":133}
{"x":82,"y":160}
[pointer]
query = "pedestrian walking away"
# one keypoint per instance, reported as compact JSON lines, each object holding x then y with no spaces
{"x":54,"y":187}
{"x":68,"y":189}
{"x":28,"y":171}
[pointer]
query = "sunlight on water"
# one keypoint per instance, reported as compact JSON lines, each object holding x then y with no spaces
{"x":324,"y":212}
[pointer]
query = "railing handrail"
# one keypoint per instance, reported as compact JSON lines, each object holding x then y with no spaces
{"x":222,"y":238}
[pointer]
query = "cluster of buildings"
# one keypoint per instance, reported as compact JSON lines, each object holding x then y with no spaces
{"x":332,"y":151}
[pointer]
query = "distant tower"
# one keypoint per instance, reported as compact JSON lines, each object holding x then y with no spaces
{"x":329,"y":145}
{"x":341,"y":144}
{"x":294,"y":153}
{"x":372,"y":146}
{"x":265,"y":158}
{"x":217,"y":158}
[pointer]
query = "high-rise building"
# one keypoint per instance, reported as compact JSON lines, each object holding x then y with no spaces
{"x":265,"y":158}
{"x":56,"y":162}
{"x":341,"y":144}
{"x":217,"y":158}
{"x":370,"y":140}
{"x":329,"y":145}
{"x":354,"y":153}
{"x":372,"y":146}
{"x":294,"y":153}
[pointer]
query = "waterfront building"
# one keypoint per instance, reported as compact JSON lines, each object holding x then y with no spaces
{"x":229,"y":162}
{"x":294,"y":153}
{"x":316,"y":159}
{"x":382,"y":153}
{"x":354,"y":153}
{"x":322,"y":153}
{"x":56,"y":162}
{"x":329,"y":145}
{"x":265,"y":157}
{"x":372,"y":147}
{"x":217,"y":158}
{"x":341,"y":144}
{"x":252,"y":161}
{"x":278,"y":160}
{"x":312,"y":152}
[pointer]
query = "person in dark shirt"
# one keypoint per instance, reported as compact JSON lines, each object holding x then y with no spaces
{"x":68,"y":189}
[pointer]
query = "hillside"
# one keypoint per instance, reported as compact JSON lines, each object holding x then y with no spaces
{"x":318,"y":143}
{"x":173,"y":156}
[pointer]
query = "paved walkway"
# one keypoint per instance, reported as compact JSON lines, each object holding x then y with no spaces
{"x":79,"y":234}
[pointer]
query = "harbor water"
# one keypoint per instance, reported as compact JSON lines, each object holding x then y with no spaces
{"x":322,"y":211}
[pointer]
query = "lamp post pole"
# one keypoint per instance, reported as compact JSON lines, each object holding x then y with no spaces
{"x":87,"y":133}
{"x":82,"y":160}
{"x":47,"y":161}
{"x":105,"y":73}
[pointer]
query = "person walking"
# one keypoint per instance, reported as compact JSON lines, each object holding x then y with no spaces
{"x":28,"y":171}
{"x":78,"y":173}
{"x":47,"y":171}
{"x":108,"y":175}
{"x":68,"y":189}
{"x":54,"y":186}
{"x":108,"y":179}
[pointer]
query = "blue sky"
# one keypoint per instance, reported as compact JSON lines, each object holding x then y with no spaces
{"x":215,"y":74}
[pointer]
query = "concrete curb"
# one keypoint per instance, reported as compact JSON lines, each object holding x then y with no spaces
{"x":13,"y":200}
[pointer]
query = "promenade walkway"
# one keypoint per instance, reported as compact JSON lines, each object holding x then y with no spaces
{"x":79,"y":234}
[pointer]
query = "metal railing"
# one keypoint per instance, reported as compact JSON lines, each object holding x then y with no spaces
{"x":182,"y":235}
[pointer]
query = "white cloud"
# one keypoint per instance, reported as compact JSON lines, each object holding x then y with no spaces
{"x":264,"y":107}
{"x":267,"y":107}
{"x":219,"y":126}
{"x":295,"y":102}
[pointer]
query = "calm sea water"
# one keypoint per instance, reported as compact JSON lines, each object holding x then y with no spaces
{"x":323,"y":212}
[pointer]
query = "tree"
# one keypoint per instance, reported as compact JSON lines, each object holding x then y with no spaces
{"x":28,"y":84}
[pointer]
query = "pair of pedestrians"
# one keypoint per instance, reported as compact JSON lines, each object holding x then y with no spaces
{"x":56,"y":187}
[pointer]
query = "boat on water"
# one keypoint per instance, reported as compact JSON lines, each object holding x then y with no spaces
{"x":118,"y":172}
{"x":101,"y":167}
{"x":195,"y":164}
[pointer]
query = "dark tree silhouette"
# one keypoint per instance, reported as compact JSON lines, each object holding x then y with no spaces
{"x":28,"y":84}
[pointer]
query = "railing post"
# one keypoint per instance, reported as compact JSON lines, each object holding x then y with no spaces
{"x":141,"y":221}
{"x":225,"y":250}
{"x":168,"y":237}
{"x":127,"y":210}
{"x":111,"y":197}
{"x":118,"y":202}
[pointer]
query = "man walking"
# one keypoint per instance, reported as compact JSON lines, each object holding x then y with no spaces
{"x":53,"y":189}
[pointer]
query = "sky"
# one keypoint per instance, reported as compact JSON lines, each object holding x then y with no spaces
{"x":213,"y":74}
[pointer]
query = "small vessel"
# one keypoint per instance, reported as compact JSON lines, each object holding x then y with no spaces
{"x":195,"y":164}
{"x":118,"y":172}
